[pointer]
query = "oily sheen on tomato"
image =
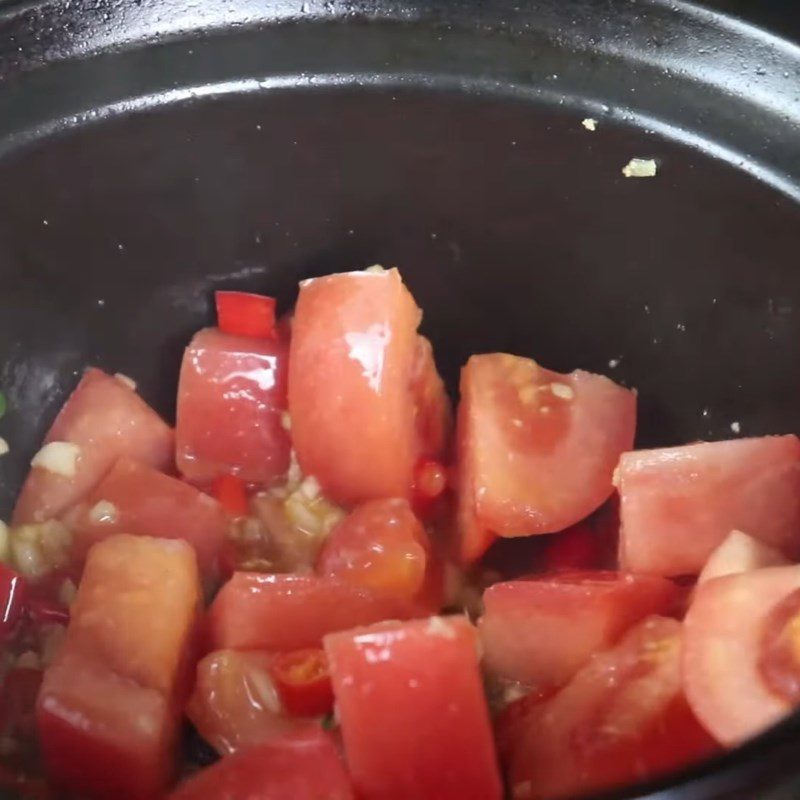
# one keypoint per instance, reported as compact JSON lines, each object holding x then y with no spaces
{"x":623,"y":718}
{"x":679,"y":503}
{"x":414,"y":719}
{"x":537,"y":449}
{"x":110,"y":704}
{"x":103,"y":419}
{"x":231,"y":398}
{"x":362,"y":389}
{"x":540,"y":631}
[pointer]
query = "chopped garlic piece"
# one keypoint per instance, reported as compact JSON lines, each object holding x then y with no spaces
{"x":640,"y":168}
{"x":4,"y":541}
{"x":124,"y":379}
{"x":590,"y":124}
{"x":286,"y":421}
{"x":103,"y":511}
{"x":310,"y":488}
{"x":40,"y":548}
{"x":376,"y":269}
{"x":562,"y":390}
{"x":58,"y":457}
{"x":4,"y":448}
{"x":67,"y":592}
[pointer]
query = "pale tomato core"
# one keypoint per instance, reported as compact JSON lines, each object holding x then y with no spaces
{"x":779,"y":662}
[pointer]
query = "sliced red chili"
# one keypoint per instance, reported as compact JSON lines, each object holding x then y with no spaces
{"x":12,"y":600}
{"x":246,"y":314}
{"x":303,"y":682}
{"x":232,"y":494}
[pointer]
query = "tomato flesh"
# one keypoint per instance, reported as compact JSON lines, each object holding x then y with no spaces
{"x":740,"y":552}
{"x":107,"y":420}
{"x":724,"y":660}
{"x":109,"y":707}
{"x":381,"y":545}
{"x":679,"y":503}
{"x":235,"y":703}
{"x":359,"y":386}
{"x":414,"y":720}
{"x":780,"y":649}
{"x":231,"y":398}
{"x":133,"y":498}
{"x":539,"y":448}
{"x":231,"y":492}
{"x":292,"y":612}
{"x":245,"y":314}
{"x":622,"y":718}
{"x":297,"y":766}
{"x":542,"y":630}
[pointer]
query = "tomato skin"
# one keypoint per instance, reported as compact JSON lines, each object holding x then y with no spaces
{"x":381,"y":545}
{"x":148,"y":503}
{"x":355,"y":385}
{"x":679,"y":503}
{"x":255,"y":611}
{"x":231,"y":398}
{"x":235,"y":703}
{"x":414,"y":720}
{"x":231,"y":493}
{"x":565,"y":433}
{"x":109,"y":707}
{"x":542,"y":630}
{"x":245,"y":314}
{"x":303,"y":682}
{"x":107,"y":420}
{"x":621,"y":719}
{"x":724,"y":645}
{"x":301,"y":766}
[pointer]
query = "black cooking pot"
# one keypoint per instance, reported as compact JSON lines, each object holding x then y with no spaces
{"x":152,"y":150}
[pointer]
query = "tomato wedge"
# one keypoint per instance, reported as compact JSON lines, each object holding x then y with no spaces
{"x":539,"y":448}
{"x":725,"y":641}
{"x":298,"y":766}
{"x":235,"y":703}
{"x":414,"y":719}
{"x":231,"y":398}
{"x":381,"y":545}
{"x":679,"y":503}
{"x":541,"y":631}
{"x":110,"y":703}
{"x":133,"y":498}
{"x":363,"y":390}
{"x":623,"y":718}
{"x":106,"y":420}
{"x":740,"y":552}
{"x":255,"y":611}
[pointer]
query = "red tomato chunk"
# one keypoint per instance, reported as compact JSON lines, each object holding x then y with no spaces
{"x":622,"y":718}
{"x":679,"y":503}
{"x":136,"y":499}
{"x":414,"y":719}
{"x":105,"y":420}
{"x":245,"y":314}
{"x":537,"y":448}
{"x":109,"y":707}
{"x":725,"y":642}
{"x":381,"y":545}
{"x":231,"y":398}
{"x":302,"y":766}
{"x":255,"y":611}
{"x":361,"y":392}
{"x":541,"y":631}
